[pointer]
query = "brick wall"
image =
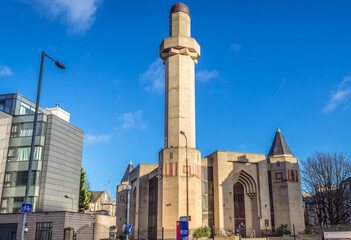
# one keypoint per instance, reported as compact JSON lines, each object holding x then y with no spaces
{"x":87,"y":226}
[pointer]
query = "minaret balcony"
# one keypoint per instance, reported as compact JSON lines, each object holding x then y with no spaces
{"x":179,"y":45}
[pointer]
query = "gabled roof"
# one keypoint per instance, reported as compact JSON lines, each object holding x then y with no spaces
{"x":279,"y":145}
{"x":126,"y":174}
{"x":95,"y":195}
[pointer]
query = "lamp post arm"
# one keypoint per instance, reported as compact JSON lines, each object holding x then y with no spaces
{"x":49,"y":57}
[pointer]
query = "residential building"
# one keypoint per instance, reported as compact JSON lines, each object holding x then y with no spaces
{"x":57,"y":157}
{"x":309,"y":207}
{"x":101,"y":202}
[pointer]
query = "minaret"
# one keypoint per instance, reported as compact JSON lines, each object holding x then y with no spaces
{"x":179,"y":53}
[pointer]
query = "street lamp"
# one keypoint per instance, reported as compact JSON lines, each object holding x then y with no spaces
{"x":61,"y":66}
{"x":129,"y":187}
{"x":66,"y":196}
{"x":187,"y":183}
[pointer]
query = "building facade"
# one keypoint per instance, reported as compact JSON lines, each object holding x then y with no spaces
{"x":228,"y":191}
{"x":101,"y":202}
{"x":57,"y":157}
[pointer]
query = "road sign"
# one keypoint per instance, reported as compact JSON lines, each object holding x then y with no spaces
{"x":183,"y":218}
{"x":184,"y":230}
{"x":130,"y":228}
{"x":26,"y":208}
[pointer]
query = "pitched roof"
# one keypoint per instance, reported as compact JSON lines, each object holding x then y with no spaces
{"x":125,"y":177}
{"x":279,"y":145}
{"x":95,"y":195}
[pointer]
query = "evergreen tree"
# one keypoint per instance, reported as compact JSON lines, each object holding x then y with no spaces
{"x":84,"y":194}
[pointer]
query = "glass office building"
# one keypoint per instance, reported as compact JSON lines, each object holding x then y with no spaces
{"x":50,"y":150}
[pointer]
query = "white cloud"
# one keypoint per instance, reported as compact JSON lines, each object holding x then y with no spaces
{"x":340,"y":96}
{"x":235,"y":47}
{"x":94,"y":139}
{"x":78,"y":15}
{"x":5,"y":71}
{"x":133,"y":120}
{"x":205,"y":75}
{"x":154,"y":77}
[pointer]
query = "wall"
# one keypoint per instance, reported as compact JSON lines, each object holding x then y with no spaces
{"x":5,"y":130}
{"x":247,"y":168}
{"x":87,"y":226}
{"x":61,"y":166}
{"x":287,"y":196}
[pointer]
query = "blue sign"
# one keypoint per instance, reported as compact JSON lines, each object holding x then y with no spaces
{"x":130,"y":228}
{"x":26,"y":208}
{"x":184,"y":230}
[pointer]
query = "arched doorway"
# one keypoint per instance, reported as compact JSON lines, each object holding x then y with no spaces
{"x":239,"y":209}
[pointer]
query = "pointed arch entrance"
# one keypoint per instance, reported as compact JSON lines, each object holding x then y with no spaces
{"x":239,"y":208}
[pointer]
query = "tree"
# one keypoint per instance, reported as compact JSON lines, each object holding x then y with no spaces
{"x":84,"y":194}
{"x":326,"y":176}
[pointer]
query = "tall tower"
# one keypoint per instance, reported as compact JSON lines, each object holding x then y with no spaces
{"x":179,"y":53}
{"x":285,"y":186}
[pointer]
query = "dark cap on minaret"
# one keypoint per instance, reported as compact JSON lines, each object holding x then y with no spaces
{"x":180,"y":7}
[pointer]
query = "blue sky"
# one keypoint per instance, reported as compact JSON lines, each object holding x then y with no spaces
{"x":263,"y":65}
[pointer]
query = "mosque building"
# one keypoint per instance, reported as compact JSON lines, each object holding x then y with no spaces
{"x":227,"y":191}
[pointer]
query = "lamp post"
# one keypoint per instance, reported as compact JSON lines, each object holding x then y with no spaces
{"x":66,"y":196}
{"x":61,"y":66}
{"x":129,"y":187}
{"x":187,"y":176}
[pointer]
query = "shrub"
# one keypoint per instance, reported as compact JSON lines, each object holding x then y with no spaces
{"x":121,"y":237}
{"x":282,"y":230}
{"x":308,"y":229}
{"x":202,"y":232}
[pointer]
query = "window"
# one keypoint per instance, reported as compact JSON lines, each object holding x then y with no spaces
{"x":26,"y":109}
{"x":311,"y":208}
{"x":43,"y":231}
{"x":13,"y":179}
{"x":170,"y":155}
{"x":313,"y":221}
{"x":13,"y":204}
{"x":26,"y":129}
{"x":161,"y":154}
{"x":22,"y":153}
{"x":278,"y":164}
{"x":2,"y":105}
{"x":6,"y":105}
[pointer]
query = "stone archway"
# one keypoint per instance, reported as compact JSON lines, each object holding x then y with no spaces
{"x":245,"y":205}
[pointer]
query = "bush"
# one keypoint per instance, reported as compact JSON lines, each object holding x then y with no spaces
{"x":121,"y":237}
{"x":283,"y":230}
{"x":202,"y":232}
{"x":308,"y":229}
